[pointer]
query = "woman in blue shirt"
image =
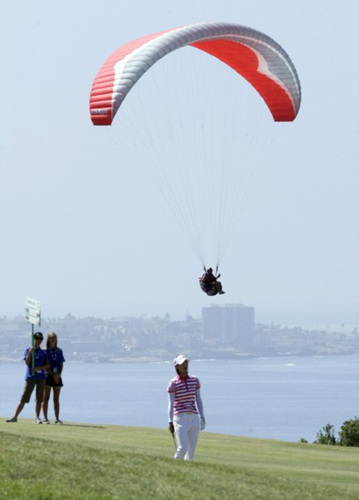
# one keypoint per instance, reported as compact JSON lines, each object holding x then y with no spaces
{"x":34,"y":377}
{"x":53,"y":381}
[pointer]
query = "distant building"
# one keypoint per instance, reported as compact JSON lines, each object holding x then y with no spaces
{"x":230,"y":325}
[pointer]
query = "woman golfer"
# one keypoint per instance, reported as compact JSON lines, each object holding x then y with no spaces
{"x":184,"y":405}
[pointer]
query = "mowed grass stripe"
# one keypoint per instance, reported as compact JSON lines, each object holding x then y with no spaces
{"x":93,"y":461}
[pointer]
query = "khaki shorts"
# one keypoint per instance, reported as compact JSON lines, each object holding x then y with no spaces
{"x":29,"y":387}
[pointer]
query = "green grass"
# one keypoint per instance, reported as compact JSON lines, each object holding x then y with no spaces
{"x":76,"y":461}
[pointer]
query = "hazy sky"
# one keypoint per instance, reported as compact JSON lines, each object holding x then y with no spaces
{"x":81,"y":234}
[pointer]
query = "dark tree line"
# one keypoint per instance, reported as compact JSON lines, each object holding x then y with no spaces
{"x":348,"y":434}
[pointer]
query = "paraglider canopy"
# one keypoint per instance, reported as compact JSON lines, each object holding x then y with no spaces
{"x":196,"y":140}
{"x":254,"y":55}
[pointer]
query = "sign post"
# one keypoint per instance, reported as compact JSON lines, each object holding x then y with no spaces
{"x":33,"y":315}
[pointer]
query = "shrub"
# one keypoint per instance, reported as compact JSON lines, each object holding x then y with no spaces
{"x":349,"y":433}
{"x":326,"y":437}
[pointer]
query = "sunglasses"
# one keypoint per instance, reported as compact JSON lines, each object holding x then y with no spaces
{"x":38,"y":338}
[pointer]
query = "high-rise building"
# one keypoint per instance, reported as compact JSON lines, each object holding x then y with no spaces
{"x":230,"y":325}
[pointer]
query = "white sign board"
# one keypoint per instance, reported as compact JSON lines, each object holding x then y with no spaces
{"x":33,"y":311}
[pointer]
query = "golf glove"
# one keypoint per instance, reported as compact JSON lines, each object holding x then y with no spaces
{"x":203,"y":423}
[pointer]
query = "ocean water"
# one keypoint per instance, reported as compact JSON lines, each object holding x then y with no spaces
{"x":285,"y":398}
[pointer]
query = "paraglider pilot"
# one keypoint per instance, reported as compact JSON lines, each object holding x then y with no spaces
{"x":209,"y":284}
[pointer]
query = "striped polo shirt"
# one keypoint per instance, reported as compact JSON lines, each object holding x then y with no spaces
{"x":184,"y":390}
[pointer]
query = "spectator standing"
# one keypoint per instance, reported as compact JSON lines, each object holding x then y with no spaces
{"x":34,"y":378}
{"x":56,"y":359}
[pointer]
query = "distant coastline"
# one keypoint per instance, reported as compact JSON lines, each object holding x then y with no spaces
{"x":146,"y":339}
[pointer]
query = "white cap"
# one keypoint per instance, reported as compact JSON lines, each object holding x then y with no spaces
{"x":180,"y":359}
